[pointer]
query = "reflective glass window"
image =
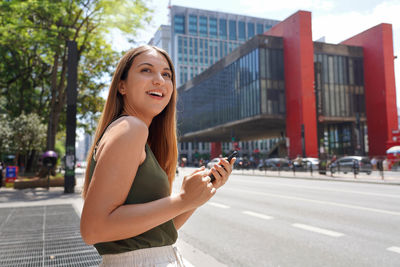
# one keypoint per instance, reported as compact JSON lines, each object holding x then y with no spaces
{"x":242,"y":30}
{"x":222,"y":29}
{"x":260,"y":28}
{"x":180,"y":50}
{"x":203,"y":26}
{"x":192,"y":24}
{"x":179,"y":24}
{"x":250,"y":30}
{"x":232,"y":30}
{"x":213,"y":27}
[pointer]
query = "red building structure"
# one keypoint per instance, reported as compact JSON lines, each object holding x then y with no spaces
{"x":336,"y":94}
{"x":379,"y":83}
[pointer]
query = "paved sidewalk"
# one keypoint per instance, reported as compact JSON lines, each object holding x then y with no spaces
{"x":40,"y":227}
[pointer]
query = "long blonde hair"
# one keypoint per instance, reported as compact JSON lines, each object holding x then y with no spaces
{"x":162,"y":131}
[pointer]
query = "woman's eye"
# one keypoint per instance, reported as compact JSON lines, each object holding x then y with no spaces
{"x":145,"y":70}
{"x":166,"y":74}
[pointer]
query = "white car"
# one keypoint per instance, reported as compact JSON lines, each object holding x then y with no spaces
{"x":212,"y":163}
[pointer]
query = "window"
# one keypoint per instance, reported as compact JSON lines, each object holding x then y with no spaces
{"x":242,"y":30}
{"x":179,"y":24}
{"x":260,"y":28}
{"x":213,"y":27}
{"x":180,"y":50}
{"x":232,"y":30}
{"x":192,"y":25}
{"x":203,"y":26}
{"x":267,"y":27}
{"x":250,"y":30}
{"x":222,"y":29}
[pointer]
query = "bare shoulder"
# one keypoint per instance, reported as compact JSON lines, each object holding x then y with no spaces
{"x":124,"y":134}
{"x":129,"y":125}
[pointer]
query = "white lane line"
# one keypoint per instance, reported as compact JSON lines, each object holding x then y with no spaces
{"x":396,"y":213}
{"x":394,"y":249}
{"x":322,"y":188}
{"x":218,"y":205}
{"x":258,"y":215}
{"x":187,"y":263}
{"x":317,"y":230}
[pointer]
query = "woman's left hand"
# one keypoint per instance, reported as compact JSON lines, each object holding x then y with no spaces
{"x":220,"y":173}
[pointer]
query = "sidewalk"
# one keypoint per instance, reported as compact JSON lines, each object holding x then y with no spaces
{"x":40,"y":227}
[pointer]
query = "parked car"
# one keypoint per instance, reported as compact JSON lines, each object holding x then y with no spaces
{"x":242,"y":163}
{"x":305,"y":164}
{"x":274,"y":164}
{"x":348,"y":163}
{"x":212,"y":162}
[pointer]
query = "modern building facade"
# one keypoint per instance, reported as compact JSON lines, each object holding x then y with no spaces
{"x":322,"y":98}
{"x":162,"y":38}
{"x":199,"y":38}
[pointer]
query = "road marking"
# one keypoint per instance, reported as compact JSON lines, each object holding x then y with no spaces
{"x":317,"y":230}
{"x":187,"y":263}
{"x":394,"y":249}
{"x":222,"y":206}
{"x":258,"y":215}
{"x":324,"y":189}
{"x":396,"y":213}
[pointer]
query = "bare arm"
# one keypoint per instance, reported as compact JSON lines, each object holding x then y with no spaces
{"x":104,"y":217}
{"x":221,"y":175}
{"x":180,"y":220}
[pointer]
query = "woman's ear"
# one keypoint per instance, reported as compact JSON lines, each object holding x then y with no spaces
{"x":122,"y":88}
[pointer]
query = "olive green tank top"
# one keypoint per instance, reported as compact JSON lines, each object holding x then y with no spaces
{"x":151,"y":183}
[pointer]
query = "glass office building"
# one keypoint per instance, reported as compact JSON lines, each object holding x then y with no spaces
{"x":251,"y":85}
{"x":340,"y":98}
{"x":199,"y":38}
{"x":247,"y":83}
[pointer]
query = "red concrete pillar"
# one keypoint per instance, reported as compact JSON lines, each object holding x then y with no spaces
{"x":216,"y":149}
{"x":299,"y":82}
{"x":380,"y":89}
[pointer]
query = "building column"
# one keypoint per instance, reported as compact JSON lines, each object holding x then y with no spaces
{"x":298,"y":52}
{"x":380,"y":89}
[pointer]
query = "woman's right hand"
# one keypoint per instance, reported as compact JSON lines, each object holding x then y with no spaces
{"x":196,"y":189}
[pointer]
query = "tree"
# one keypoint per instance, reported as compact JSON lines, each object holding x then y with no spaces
{"x":33,"y":54}
{"x":5,"y":134}
{"x":28,"y":136}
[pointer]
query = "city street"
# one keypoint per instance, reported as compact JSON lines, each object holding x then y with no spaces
{"x":265,"y":221}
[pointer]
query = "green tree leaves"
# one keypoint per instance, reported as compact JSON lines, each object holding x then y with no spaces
{"x":33,"y":55}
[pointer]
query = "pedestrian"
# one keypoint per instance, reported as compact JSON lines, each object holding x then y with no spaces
{"x":129,"y":213}
{"x":1,"y":173}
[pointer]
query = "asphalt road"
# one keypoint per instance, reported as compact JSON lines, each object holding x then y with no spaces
{"x":266,"y":221}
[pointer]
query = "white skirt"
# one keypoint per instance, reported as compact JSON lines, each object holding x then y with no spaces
{"x":167,"y":256}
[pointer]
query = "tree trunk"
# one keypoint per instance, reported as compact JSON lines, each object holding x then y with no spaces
{"x":51,"y":129}
{"x":58,"y":97}
{"x":29,"y":163}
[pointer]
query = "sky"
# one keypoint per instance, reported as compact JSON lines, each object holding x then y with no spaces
{"x":336,"y":20}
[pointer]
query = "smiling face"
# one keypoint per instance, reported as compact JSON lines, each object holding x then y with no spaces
{"x":148,"y":87}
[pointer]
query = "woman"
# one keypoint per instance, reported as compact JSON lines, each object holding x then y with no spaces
{"x":129,"y":213}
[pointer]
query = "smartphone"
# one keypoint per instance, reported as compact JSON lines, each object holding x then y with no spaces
{"x":230,"y":157}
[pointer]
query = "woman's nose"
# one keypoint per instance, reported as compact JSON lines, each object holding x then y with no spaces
{"x":158,"y":79}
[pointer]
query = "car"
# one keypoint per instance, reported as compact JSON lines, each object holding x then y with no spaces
{"x":212,"y":162}
{"x":305,"y":164}
{"x":242,"y":163}
{"x":274,"y":164}
{"x":348,"y":163}
{"x":81,"y":164}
